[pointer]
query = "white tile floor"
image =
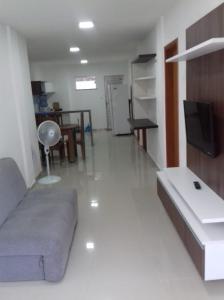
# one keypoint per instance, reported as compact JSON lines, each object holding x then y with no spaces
{"x":137,"y":253}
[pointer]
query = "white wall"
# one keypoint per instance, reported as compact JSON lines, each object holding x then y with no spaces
{"x":63,"y":77}
{"x":154,"y":109}
{"x":173,"y":25}
{"x":17,"y":123}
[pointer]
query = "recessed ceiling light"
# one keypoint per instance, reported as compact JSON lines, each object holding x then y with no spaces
{"x":94,"y":203}
{"x":74,"y":49}
{"x":84,"y":61}
{"x":90,"y":245}
{"x":86,"y":25}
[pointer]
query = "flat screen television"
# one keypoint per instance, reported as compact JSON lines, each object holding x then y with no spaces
{"x":199,"y":120}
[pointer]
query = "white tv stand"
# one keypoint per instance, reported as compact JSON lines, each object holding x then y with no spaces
{"x":198,"y":216}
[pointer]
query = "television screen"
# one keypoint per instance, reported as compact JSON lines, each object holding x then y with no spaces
{"x":200,"y":126}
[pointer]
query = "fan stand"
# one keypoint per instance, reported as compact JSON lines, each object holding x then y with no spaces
{"x":49,"y":179}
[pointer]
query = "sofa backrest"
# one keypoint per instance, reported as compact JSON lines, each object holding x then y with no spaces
{"x":12,"y":187}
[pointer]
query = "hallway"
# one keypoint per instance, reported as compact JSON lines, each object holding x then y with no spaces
{"x":133,"y":250}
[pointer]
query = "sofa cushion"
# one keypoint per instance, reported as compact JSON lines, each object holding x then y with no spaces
{"x":12,"y":187}
{"x":38,"y":223}
{"x":42,"y":225}
{"x":21,"y":268}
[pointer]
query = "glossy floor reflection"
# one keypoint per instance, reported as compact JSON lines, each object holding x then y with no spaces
{"x":125,"y":246}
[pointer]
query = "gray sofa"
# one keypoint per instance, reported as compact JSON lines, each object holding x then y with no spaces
{"x":36,"y":228}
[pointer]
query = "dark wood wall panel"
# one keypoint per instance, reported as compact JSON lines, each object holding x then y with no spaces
{"x":212,"y":25}
{"x":205,"y":83}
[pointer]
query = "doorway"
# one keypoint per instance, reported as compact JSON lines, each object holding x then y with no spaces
{"x":171,"y":104}
{"x":109,"y":81}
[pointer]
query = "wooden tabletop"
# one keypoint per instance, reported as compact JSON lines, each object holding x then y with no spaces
{"x":68,"y":126}
{"x":63,"y":112}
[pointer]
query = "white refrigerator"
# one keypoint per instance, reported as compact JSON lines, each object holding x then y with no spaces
{"x":120,"y":109}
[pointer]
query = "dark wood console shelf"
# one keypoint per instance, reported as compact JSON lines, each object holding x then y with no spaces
{"x":144,"y":58}
{"x":142,"y":124}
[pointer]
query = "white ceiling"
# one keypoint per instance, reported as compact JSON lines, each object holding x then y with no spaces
{"x":51,"y":26}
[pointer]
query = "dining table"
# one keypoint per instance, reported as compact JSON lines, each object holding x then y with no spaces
{"x":58,"y":115}
{"x":69,"y":130}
